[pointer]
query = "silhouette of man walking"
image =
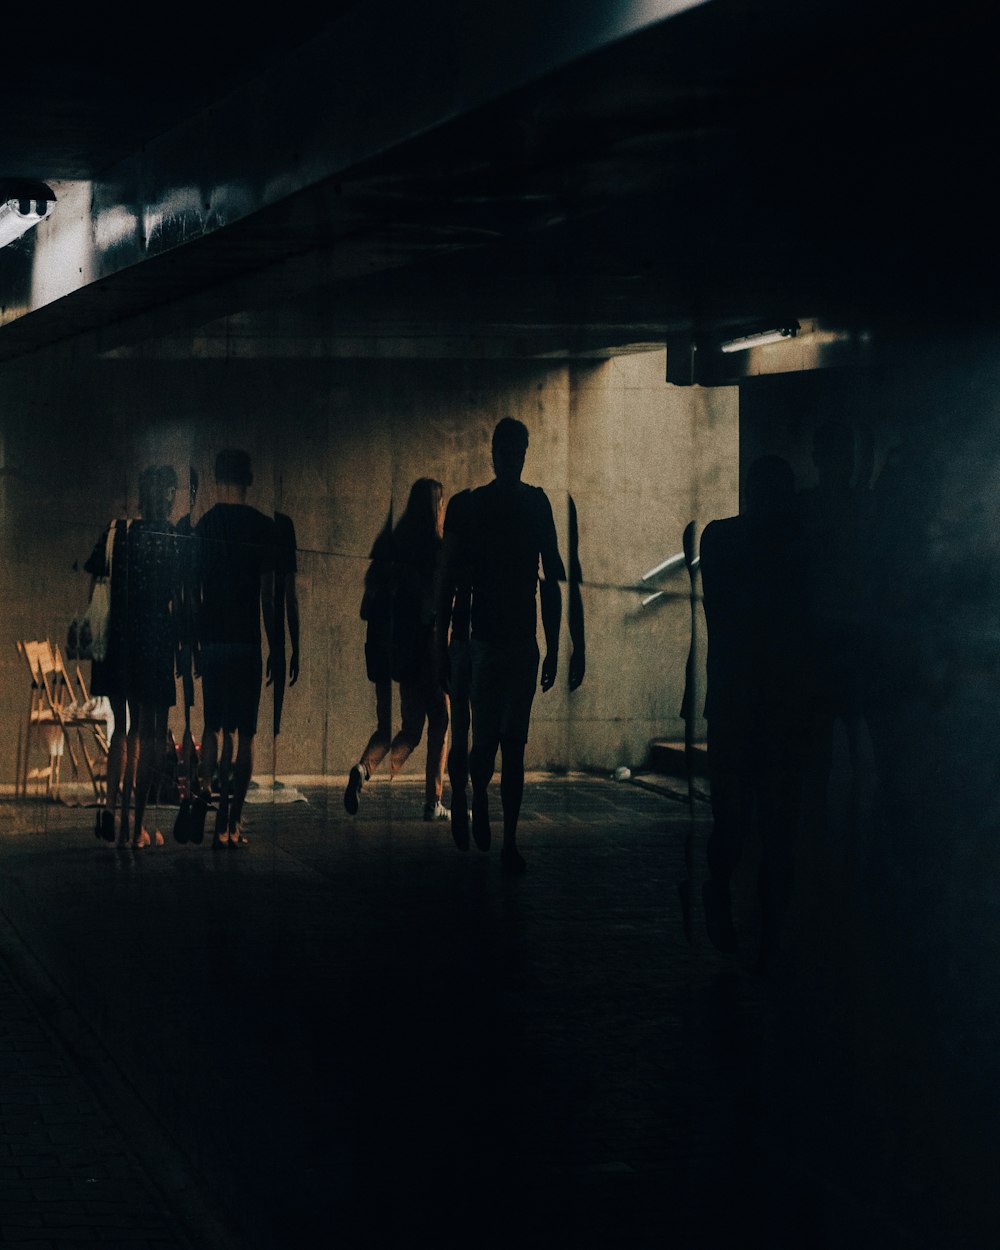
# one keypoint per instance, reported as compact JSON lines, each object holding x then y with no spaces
{"x":507,"y":527}
{"x":235,"y":589}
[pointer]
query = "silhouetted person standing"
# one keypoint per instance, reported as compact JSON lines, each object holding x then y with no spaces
{"x":761,"y":693}
{"x":507,"y":529}
{"x":235,"y":557}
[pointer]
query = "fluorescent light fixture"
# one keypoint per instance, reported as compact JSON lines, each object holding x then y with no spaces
{"x":668,"y":566}
{"x":762,"y":339}
{"x":22,"y":205}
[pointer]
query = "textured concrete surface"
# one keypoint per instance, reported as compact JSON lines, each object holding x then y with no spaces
{"x":351,"y":1031}
{"x":335,"y":445}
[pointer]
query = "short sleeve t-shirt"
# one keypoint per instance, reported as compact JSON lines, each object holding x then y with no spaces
{"x":236,"y":544}
{"x":507,"y":530}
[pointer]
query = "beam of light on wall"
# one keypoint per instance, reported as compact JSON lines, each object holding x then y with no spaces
{"x":113,"y":226}
{"x":175,"y":217}
{"x":63,"y":256}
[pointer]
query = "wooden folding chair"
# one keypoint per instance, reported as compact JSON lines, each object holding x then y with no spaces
{"x":54,"y":708}
{"x":79,"y":714}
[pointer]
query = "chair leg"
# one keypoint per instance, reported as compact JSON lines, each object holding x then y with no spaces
{"x":90,"y":766}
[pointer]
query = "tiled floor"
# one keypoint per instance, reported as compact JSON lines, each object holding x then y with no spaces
{"x":349,"y":1031}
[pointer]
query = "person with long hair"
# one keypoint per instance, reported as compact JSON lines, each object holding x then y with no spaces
{"x":137,"y":674}
{"x":414,"y":551}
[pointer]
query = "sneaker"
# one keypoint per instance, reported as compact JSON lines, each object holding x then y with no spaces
{"x":436,"y":811}
{"x":357,"y":778}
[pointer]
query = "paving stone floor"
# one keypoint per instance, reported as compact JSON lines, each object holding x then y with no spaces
{"x":349,"y":1031}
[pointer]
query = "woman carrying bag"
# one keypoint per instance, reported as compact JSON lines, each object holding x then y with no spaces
{"x":137,"y":672}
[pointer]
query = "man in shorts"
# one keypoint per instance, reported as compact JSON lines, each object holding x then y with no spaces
{"x":507,"y":527}
{"x":235,"y":555}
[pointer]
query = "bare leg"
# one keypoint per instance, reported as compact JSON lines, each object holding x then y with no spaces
{"x":378,"y":744}
{"x":105,"y":828}
{"x":511,"y":793}
{"x":411,"y":699}
{"x":152,"y":747}
{"x":116,"y":755}
{"x":225,"y":782}
{"x":437,"y":745}
{"x":209,"y":758}
{"x":241,"y":772}
{"x":128,"y":781}
{"x":482,"y":765}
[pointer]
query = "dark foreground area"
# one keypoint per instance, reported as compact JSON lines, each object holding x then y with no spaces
{"x":349,"y":1031}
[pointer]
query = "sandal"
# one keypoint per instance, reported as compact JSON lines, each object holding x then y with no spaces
{"x":237,"y":837}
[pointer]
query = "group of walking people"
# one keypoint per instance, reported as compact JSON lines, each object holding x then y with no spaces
{"x":190,"y":600}
{"x":450,"y":604}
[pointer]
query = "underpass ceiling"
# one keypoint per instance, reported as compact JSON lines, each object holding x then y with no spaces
{"x":736,"y":164}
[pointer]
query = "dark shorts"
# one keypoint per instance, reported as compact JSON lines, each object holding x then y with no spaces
{"x":230,"y":686}
{"x":504,"y":677}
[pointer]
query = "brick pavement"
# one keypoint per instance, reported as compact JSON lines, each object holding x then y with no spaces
{"x":351,"y":1032}
{"x":67,"y":1175}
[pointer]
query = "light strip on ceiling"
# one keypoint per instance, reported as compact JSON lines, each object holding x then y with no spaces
{"x":761,"y":340}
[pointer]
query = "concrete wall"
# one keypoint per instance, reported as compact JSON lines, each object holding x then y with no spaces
{"x":896,"y":921}
{"x":336,"y":444}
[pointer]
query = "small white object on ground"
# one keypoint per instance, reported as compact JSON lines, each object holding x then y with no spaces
{"x":622,"y":773}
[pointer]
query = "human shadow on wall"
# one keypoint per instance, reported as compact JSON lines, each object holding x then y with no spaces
{"x":403,"y":602}
{"x":577,"y":626}
{"x":284,"y":663}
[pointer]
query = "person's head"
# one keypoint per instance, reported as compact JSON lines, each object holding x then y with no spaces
{"x":770,"y":487}
{"x":833,"y":453}
{"x":232,"y":468}
{"x":424,"y":513}
{"x":510,"y":445}
{"x":157,"y":487}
